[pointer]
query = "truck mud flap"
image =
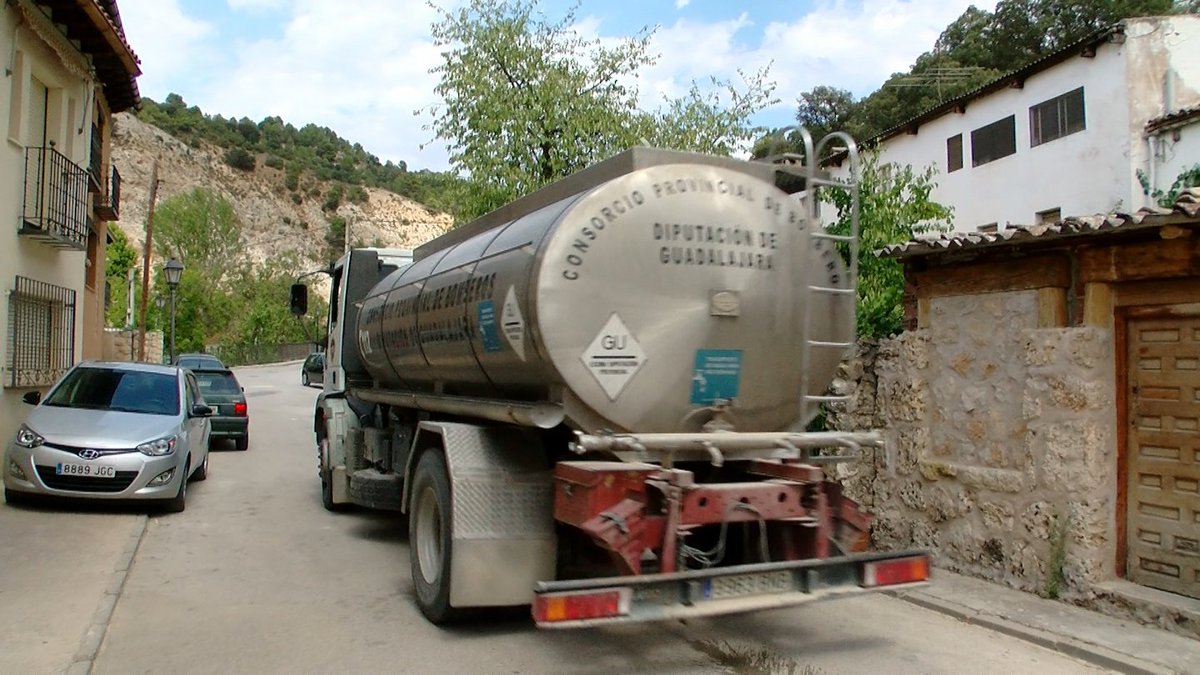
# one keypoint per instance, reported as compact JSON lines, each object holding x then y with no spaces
{"x":726,"y":590}
{"x":375,"y":490}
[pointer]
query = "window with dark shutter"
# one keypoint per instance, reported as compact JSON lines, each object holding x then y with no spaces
{"x":994,"y":141}
{"x":954,"y":154}
{"x":1057,"y":117}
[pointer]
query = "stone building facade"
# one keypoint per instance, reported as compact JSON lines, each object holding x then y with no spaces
{"x":1042,"y":411}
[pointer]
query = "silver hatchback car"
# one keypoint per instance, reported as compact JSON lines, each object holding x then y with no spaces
{"x":128,"y":431}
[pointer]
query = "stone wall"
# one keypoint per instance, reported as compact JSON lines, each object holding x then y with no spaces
{"x":1001,"y":443}
{"x":120,"y":345}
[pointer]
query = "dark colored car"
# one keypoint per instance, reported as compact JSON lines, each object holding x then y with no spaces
{"x":313,"y":370}
{"x":198,"y":361}
{"x":223,"y":393}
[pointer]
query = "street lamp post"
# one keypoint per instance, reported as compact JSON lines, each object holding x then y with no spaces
{"x":160,"y":302}
{"x":173,"y":269}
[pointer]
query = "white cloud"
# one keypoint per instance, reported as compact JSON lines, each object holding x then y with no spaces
{"x":362,"y":73}
{"x":680,"y":4}
{"x":167,"y":41}
{"x":850,"y":45}
{"x":255,"y":5}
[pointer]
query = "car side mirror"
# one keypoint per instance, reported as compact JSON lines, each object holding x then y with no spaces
{"x":201,"y":410}
{"x":299,"y":302}
{"x":32,"y":397}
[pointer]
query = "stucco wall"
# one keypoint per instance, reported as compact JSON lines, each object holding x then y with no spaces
{"x":1153,"y":72}
{"x":1001,"y":437}
{"x":69,"y":93}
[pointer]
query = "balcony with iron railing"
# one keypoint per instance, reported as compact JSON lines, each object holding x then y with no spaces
{"x":55,"y":207}
{"x":108,"y":202}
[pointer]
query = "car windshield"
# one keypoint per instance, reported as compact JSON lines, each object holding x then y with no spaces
{"x":200,"y":362}
{"x":217,"y":382}
{"x":117,"y":389}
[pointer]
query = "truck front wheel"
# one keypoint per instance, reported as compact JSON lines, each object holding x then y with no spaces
{"x":429,"y":537}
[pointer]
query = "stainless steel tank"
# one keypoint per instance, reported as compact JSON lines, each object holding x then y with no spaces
{"x":654,"y":285}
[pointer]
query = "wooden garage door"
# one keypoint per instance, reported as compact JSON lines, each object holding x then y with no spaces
{"x":1163,"y":451}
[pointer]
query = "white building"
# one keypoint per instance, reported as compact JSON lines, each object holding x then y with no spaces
{"x":68,"y":68}
{"x":1074,"y":133}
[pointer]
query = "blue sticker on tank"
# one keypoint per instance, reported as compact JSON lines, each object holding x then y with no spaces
{"x":489,"y":332}
{"x":717,"y":375}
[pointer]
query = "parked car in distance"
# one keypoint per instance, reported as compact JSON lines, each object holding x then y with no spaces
{"x":225,"y":395}
{"x":195,"y":361}
{"x":127,"y":431}
{"x":313,"y":370}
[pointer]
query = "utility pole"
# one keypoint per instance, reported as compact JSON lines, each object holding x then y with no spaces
{"x":146,"y":249}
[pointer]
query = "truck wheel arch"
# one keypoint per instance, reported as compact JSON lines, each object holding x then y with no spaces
{"x":502,"y":503}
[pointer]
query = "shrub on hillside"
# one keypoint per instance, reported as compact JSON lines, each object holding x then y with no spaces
{"x":240,"y":159}
{"x":333,"y":198}
{"x":274,"y":162}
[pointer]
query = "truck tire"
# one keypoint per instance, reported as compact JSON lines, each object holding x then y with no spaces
{"x":374,"y":490}
{"x":429,"y":543}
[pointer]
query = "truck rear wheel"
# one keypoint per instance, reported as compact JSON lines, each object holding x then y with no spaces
{"x":429,"y":543}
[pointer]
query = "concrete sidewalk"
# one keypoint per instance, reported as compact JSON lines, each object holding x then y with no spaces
{"x":1124,"y":646}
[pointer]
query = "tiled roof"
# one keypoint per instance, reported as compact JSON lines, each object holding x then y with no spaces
{"x":1187,"y":206}
{"x":95,"y":27}
{"x":1175,"y":119}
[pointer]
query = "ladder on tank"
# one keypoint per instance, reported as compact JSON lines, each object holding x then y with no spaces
{"x":814,"y":181}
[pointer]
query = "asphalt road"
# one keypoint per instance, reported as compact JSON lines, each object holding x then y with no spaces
{"x":256,"y":577}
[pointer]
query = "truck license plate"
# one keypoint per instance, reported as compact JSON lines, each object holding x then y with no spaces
{"x":88,"y":470}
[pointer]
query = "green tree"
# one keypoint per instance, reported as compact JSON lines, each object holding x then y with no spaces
{"x":200,"y":228}
{"x":824,"y":110}
{"x":895,"y":204}
{"x":119,"y":258}
{"x":527,"y":100}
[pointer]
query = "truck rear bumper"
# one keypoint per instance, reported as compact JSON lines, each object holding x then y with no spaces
{"x":727,"y":590}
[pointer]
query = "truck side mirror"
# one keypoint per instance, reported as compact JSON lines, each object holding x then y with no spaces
{"x":299,"y":302}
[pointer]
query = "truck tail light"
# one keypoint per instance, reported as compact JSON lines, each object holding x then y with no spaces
{"x":891,"y":572}
{"x":551,"y":608}
{"x":239,"y":408}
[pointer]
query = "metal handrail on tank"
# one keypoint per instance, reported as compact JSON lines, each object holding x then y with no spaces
{"x":815,"y":179}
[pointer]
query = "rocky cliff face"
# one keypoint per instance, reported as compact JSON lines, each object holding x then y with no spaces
{"x":272,"y":223}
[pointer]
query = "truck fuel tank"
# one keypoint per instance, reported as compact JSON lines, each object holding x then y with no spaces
{"x":639,"y":295}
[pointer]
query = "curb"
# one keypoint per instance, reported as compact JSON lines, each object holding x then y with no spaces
{"x":1084,"y":651}
{"x":85,"y":656}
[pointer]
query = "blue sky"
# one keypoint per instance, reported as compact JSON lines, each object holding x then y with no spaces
{"x":360,"y":67}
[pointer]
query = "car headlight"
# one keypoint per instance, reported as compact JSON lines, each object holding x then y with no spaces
{"x":28,"y":438}
{"x":158,"y":447}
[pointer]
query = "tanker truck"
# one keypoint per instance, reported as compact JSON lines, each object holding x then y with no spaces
{"x":592,"y":400}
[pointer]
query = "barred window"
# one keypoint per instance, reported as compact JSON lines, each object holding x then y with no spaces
{"x":41,"y":333}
